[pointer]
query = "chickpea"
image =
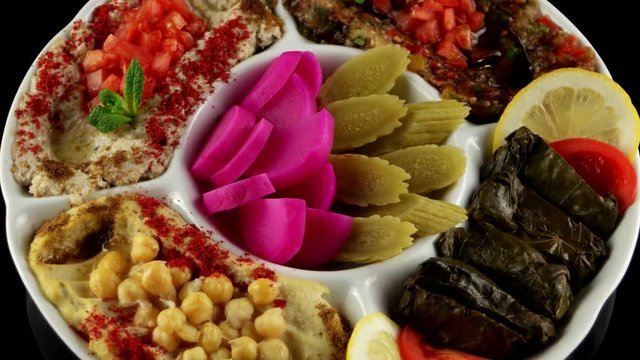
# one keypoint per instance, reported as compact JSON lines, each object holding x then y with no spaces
{"x":169,"y":341}
{"x":188,"y":288}
{"x":228,"y":331}
{"x":249,"y":329}
{"x":262,"y":291}
{"x":130,"y":290}
{"x":146,"y":315}
{"x":171,"y":319}
{"x":180,"y":275}
{"x":271,"y":323}
{"x":156,"y":279}
{"x":195,"y":353}
{"x":244,"y":348}
{"x":198,"y":307}
{"x":104,"y":283}
{"x":218,"y":287}
{"x":188,"y":333}
{"x":238,"y":311}
{"x":221,"y":354}
{"x":273,"y":349}
{"x":144,"y":248}
{"x":136,"y":271}
{"x":209,"y":337}
{"x":114,"y":261}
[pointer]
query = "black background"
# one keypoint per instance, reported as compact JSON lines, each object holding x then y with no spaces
{"x":612,"y":30}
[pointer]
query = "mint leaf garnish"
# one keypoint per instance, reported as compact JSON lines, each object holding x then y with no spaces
{"x":111,"y":100}
{"x":133,"y":86}
{"x":115,"y":110}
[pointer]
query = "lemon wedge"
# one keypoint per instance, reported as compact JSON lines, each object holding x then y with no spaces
{"x":570,"y":103}
{"x":374,"y":338}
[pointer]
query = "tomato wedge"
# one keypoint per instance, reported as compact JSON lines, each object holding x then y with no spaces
{"x":605,"y":168}
{"x":413,"y":348}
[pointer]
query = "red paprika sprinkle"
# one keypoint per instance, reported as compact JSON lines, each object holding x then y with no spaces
{"x":263,"y":272}
{"x":281,"y":303}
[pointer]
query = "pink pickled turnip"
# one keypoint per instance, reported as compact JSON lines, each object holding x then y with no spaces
{"x":310,"y":71}
{"x":325,"y":233}
{"x":293,"y":103}
{"x":245,"y":156}
{"x":271,"y":81}
{"x":317,"y":189}
{"x":237,"y":193}
{"x":273,"y":229}
{"x":224,"y":141}
{"x":296,"y":152}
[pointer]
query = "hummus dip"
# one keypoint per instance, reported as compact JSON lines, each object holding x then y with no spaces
{"x":71,"y":254}
{"x":56,"y":151}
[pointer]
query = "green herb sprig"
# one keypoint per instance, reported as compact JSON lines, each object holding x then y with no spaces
{"x":115,"y":110}
{"x":360,"y":2}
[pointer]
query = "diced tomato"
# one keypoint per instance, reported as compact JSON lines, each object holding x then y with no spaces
{"x":182,"y":8}
{"x":186,"y":39}
{"x":462,"y":36}
{"x":405,"y":21}
{"x":420,"y":13}
{"x":94,"y":81}
{"x":161,"y":62}
{"x":172,"y":23}
{"x":605,"y":168}
{"x":475,"y":20}
{"x":448,"y":19}
{"x":173,"y":46}
{"x":149,"y":87}
{"x":110,"y":43}
{"x":383,"y":6}
{"x":99,"y":59}
{"x":449,"y":3}
{"x":196,"y":27}
{"x":129,"y":51}
{"x":428,"y":33}
{"x":452,"y":54}
{"x":151,"y":41}
{"x":432,"y":5}
{"x":468,"y":6}
{"x":150,"y":11}
{"x":546,"y":21}
{"x":112,"y":82}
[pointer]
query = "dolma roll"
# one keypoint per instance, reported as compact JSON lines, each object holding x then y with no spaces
{"x":503,"y":201}
{"x":514,"y":265}
{"x":453,"y":305}
{"x":547,"y":173}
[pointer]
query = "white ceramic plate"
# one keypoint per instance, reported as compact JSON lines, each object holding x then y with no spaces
{"x":356,"y":292}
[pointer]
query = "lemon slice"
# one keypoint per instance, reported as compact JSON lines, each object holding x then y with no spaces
{"x":570,"y":103}
{"x":374,"y":338}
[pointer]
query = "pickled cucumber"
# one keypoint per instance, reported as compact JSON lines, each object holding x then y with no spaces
{"x":376,"y":238}
{"x":429,"y":122}
{"x":361,"y":120}
{"x":364,"y":181}
{"x":373,"y":72}
{"x":432,"y":167}
{"x":429,"y":216}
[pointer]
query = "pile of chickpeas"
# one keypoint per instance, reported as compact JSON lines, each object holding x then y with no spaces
{"x":197,"y":319}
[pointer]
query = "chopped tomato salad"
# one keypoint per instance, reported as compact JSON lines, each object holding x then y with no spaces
{"x":448,"y":25}
{"x":605,"y":168}
{"x":412,"y":347}
{"x":157,"y":33}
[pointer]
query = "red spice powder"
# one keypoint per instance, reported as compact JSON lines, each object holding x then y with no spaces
{"x":101,"y":23}
{"x":263,"y":272}
{"x":281,"y":303}
{"x":115,"y":331}
{"x":213,"y":63}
